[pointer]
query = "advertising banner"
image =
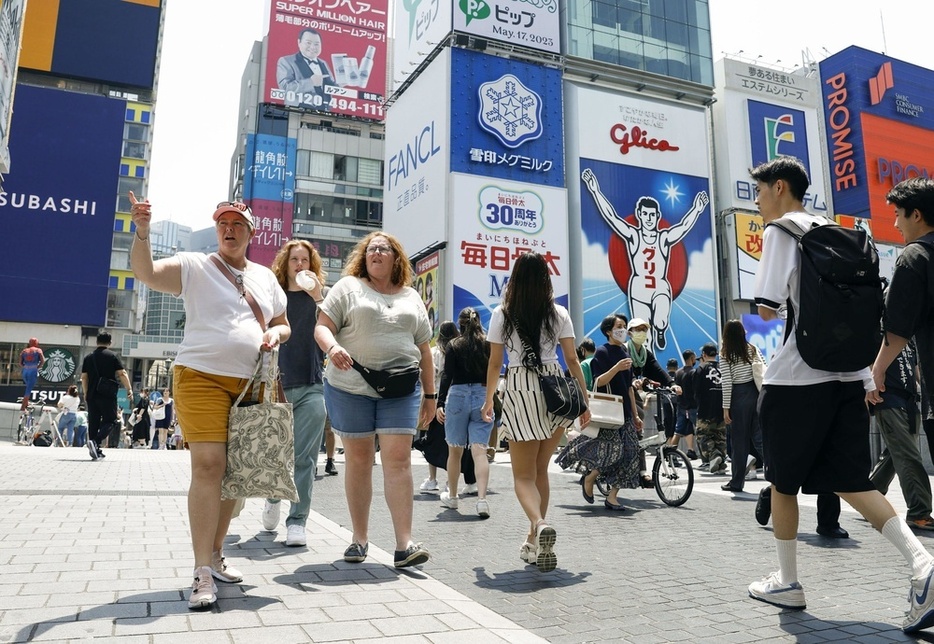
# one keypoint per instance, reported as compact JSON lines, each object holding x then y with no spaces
{"x":879,"y":115}
{"x":430,"y":288}
{"x":528,"y":23}
{"x":57,"y":208}
{"x":273,"y":228}
{"x":327,"y":57}
{"x":11,"y":29}
{"x":420,"y":27}
{"x":782,"y":115}
{"x":509,"y":119}
{"x":743,"y":240}
{"x":270,"y":170}
{"x":418,"y":133}
{"x":111,"y":41}
{"x":647,"y":235}
{"x":494,"y":222}
{"x":766,"y":336}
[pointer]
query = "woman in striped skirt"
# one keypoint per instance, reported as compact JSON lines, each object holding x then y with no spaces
{"x":528,"y":309}
{"x":740,"y":395}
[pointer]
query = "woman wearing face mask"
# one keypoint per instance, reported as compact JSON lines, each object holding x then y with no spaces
{"x":645,"y":367}
{"x":614,"y":453}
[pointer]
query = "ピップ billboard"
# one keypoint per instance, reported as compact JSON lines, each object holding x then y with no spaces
{"x":528,"y":23}
{"x":420,"y":27}
{"x":643,"y":188}
{"x":327,"y":57}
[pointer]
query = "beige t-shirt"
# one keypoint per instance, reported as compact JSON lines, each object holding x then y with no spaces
{"x":378,"y":331}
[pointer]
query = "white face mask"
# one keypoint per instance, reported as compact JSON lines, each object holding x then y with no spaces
{"x":619,"y":335}
{"x":638,"y":337}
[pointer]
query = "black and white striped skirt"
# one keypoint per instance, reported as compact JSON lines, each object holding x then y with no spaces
{"x":525,"y":417}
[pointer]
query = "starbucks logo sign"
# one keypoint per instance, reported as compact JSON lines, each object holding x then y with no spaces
{"x":59,"y":365}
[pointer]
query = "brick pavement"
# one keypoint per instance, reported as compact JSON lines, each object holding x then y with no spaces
{"x":101,"y":550}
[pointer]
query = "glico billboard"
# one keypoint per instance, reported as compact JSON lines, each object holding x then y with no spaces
{"x":327,"y":57}
{"x":57,"y":208}
{"x":879,"y":115}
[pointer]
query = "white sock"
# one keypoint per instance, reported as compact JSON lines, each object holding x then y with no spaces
{"x":901,"y":536}
{"x":787,"y":560}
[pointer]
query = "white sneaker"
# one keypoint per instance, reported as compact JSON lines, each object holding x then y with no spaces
{"x":203,"y":591}
{"x":483,"y":508}
{"x":448,"y":501}
{"x":751,"y":467}
{"x":920,"y":602}
{"x":470,"y":489}
{"x":428,"y":485}
{"x":772,"y":591}
{"x":715,"y":464}
{"x":296,"y":535}
{"x":527,"y":553}
{"x":222,"y":572}
{"x":271,"y":515}
{"x":545,"y":537}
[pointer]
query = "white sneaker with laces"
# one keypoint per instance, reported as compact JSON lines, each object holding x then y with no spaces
{"x":428,"y":485}
{"x":296,"y":536}
{"x":271,"y":515}
{"x":448,"y":501}
{"x":771,"y":590}
{"x":222,"y":572}
{"x":203,"y":591}
{"x":483,"y":508}
{"x":527,"y":553}
{"x":920,"y":602}
{"x":470,"y":489}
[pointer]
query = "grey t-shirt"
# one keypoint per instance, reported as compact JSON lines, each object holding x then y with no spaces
{"x":378,"y":331}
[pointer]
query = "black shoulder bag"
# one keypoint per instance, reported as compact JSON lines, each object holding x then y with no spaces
{"x":563,"y":396}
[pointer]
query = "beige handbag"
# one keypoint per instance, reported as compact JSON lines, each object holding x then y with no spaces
{"x":260,"y":441}
{"x":758,"y":369}
{"x":606,"y":410}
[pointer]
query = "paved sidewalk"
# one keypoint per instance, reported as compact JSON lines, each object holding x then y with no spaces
{"x":101,"y":550}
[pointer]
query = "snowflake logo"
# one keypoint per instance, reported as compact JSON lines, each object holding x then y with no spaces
{"x":510,"y":111}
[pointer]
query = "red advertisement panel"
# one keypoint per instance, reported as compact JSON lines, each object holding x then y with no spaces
{"x":894,"y":152}
{"x":328,"y":56}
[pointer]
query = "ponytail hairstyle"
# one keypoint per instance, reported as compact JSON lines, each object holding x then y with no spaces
{"x":529,"y":302}
{"x":471,"y":343}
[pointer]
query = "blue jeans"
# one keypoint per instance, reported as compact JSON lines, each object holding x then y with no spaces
{"x":81,"y":436}
{"x":308,"y":418}
{"x":463,"y":425}
{"x":66,"y":425}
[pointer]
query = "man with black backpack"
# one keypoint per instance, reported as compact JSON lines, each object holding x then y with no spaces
{"x":815,"y":423}
{"x":99,"y":373}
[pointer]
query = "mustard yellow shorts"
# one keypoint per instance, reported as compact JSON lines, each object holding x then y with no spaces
{"x":203,"y":402}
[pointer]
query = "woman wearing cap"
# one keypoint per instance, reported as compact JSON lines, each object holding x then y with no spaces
{"x":373,"y":315}
{"x":222,"y":343}
{"x":529,"y":315}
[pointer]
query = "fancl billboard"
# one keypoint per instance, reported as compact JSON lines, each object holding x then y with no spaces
{"x":327,"y":57}
{"x":642,"y":185}
{"x":418,"y":134}
{"x":57,"y":208}
{"x":528,"y":23}
{"x":509,"y":119}
{"x":879,"y":115}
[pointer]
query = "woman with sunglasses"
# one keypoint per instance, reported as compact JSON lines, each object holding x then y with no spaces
{"x":373,"y":317}
{"x":223,"y":340}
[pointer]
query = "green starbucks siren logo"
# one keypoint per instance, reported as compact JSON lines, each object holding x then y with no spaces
{"x":59,"y":365}
{"x":474,"y":9}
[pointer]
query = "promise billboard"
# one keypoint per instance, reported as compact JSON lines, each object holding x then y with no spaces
{"x":327,"y":59}
{"x":57,"y":208}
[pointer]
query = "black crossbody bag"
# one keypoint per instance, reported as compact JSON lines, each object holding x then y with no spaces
{"x":563,"y":395}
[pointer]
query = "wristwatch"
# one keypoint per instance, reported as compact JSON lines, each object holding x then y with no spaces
{"x":431,"y":396}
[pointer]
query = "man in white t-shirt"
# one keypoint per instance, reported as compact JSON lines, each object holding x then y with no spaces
{"x":826,"y":448}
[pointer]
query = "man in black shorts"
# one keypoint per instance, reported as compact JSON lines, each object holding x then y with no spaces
{"x":815,"y":424}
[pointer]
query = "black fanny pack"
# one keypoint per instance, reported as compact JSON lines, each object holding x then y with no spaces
{"x":395,"y":382}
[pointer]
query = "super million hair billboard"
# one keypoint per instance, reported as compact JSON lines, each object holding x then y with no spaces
{"x":327,"y":56}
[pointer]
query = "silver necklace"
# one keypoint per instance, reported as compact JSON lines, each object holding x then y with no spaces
{"x":381,"y":295}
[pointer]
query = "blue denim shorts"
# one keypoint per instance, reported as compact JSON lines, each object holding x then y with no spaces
{"x":463,"y":424}
{"x":355,"y":416}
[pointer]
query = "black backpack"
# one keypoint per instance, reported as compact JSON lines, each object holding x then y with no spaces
{"x":42,"y":440}
{"x":839,"y":324}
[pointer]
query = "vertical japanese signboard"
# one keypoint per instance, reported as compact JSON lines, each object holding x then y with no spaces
{"x":269,"y":189}
{"x":420,"y":27}
{"x":327,"y":56}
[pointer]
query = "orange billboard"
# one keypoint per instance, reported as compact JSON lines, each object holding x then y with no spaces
{"x":893,"y":152}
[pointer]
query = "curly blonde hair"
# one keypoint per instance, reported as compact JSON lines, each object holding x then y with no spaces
{"x":280,"y":265}
{"x":402,"y":273}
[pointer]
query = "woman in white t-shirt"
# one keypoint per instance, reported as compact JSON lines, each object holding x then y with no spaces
{"x":533,"y":432}
{"x":69,"y":406}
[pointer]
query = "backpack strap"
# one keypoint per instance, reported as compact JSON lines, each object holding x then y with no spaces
{"x":795,"y":231}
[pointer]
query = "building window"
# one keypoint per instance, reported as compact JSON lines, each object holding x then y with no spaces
{"x":370,"y":172}
{"x":322,"y":165}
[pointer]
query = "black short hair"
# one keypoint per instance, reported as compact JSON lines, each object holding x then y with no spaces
{"x":913,"y":194}
{"x":672,"y":362}
{"x":788,"y":169}
{"x":104,"y":338}
{"x":687,"y":354}
{"x":709,"y":349}
{"x":606,"y":327}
